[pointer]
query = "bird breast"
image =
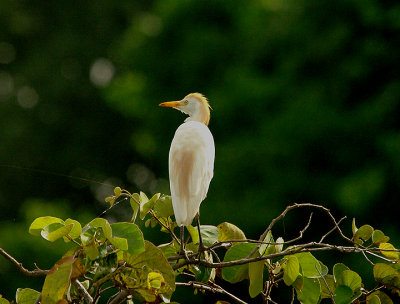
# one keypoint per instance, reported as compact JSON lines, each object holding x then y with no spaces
{"x":191,"y":164}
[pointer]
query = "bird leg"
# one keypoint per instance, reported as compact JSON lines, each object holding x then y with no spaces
{"x":202,"y":248}
{"x":183,"y":251}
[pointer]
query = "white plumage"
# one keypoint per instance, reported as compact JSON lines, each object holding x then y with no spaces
{"x":191,"y":163}
{"x":191,"y":158}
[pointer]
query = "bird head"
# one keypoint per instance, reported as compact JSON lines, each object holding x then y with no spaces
{"x":194,"y":104}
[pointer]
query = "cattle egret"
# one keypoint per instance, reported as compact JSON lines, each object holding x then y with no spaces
{"x":191,"y":159}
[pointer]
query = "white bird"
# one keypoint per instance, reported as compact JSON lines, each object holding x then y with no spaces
{"x":191,"y":159}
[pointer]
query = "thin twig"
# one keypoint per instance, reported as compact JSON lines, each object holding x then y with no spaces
{"x":301,"y":231}
{"x":333,"y":229}
{"x":119,"y":297}
{"x":82,"y":291}
{"x":29,"y":273}
{"x":214,"y":288}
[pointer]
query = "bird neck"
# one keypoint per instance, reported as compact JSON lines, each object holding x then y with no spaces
{"x":201,"y":115}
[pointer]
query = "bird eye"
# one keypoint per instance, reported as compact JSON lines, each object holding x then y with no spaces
{"x":185,"y":102}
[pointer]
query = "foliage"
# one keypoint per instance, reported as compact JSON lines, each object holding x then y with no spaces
{"x":106,"y":257}
{"x":305,"y":95}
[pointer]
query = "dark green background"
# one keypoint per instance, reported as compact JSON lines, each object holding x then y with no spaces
{"x":306,"y":99}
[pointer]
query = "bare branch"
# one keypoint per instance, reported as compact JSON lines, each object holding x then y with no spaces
{"x":82,"y":291}
{"x":214,"y":288}
{"x":29,"y":273}
{"x":301,"y":231}
{"x":333,"y":229}
{"x":295,"y":206}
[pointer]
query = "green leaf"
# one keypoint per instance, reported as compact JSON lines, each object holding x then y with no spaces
{"x":386,"y":274}
{"x":209,"y":234}
{"x":135,"y":204}
{"x":131,"y":233}
{"x":374,"y":299}
{"x":163,"y":206}
{"x":41,"y":222}
{"x":75,"y":231}
{"x":363,"y":234}
{"x":310,"y":291}
{"x":353,"y":226}
{"x":291,"y":269}
{"x":256,"y":270}
{"x":26,"y":296}
{"x":237,"y":273}
{"x":56,"y":231}
{"x":327,"y":286}
{"x":91,"y":251}
{"x":4,"y":301}
{"x":103,"y":224}
{"x":266,"y":249}
{"x":154,"y":259}
{"x":338,"y":269}
{"x":194,"y":233}
{"x":343,"y":295}
{"x":57,"y":281}
{"x":228,"y":231}
{"x":379,"y":237}
{"x":351,"y":279}
{"x":310,"y":266}
{"x":383,"y":297}
{"x":117,"y":191}
{"x":393,"y":255}
{"x":146,"y":204}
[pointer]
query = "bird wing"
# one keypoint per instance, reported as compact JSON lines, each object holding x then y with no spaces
{"x":191,"y":165}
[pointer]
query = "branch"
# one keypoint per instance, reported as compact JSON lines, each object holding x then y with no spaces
{"x":119,"y":297}
{"x":295,"y":206}
{"x":215,"y":289}
{"x":82,"y":291}
{"x":29,"y":273}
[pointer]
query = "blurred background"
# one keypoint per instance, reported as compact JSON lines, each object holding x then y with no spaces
{"x":306,"y":99}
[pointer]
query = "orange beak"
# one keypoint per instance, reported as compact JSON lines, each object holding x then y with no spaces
{"x":170,"y":104}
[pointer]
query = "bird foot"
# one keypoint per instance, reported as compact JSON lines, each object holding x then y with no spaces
{"x":202,"y":249}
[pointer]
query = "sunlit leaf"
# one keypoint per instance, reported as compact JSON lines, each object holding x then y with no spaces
{"x":266,"y":249}
{"x":228,"y":231}
{"x":209,"y":234}
{"x":386,"y":274}
{"x":103,"y":224}
{"x":4,"y":301}
{"x":57,"y":281}
{"x":310,"y":266}
{"x":56,"y":231}
{"x":41,"y":222}
{"x":154,"y":259}
{"x":256,"y":270}
{"x":327,"y":286}
{"x":383,"y":297}
{"x":194,"y":233}
{"x":343,"y":295}
{"x":393,"y":255}
{"x":363,"y":234}
{"x":163,"y":206}
{"x":338,"y":269}
{"x":131,"y":233}
{"x":373,"y":299}
{"x":26,"y":296}
{"x":146,"y":204}
{"x":135,"y":204}
{"x":237,"y":273}
{"x":75,"y":231}
{"x":353,"y":226}
{"x":310,"y":291}
{"x":379,"y":237}
{"x":117,"y":191}
{"x":351,"y":279}
{"x":291,"y":269}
